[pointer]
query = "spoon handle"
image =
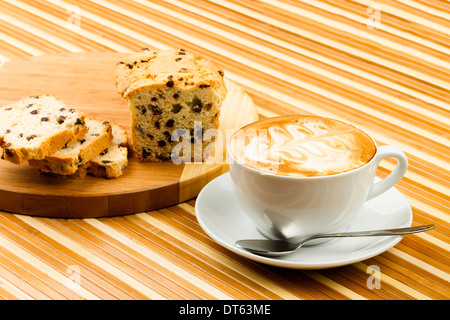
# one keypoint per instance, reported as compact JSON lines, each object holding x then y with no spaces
{"x":386,"y":232}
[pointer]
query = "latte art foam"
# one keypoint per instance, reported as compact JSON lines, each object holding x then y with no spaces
{"x":302,"y":146}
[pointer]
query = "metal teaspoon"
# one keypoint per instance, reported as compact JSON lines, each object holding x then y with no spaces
{"x":271,"y":248}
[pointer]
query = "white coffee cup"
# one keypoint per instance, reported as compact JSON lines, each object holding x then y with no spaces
{"x":292,"y":207}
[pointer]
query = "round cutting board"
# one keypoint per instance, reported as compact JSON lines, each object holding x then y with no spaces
{"x":86,"y":81}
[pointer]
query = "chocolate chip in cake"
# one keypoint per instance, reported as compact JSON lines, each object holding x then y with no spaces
{"x":31,"y":137}
{"x":106,"y":123}
{"x":161,"y":143}
{"x":220,"y":72}
{"x":197,"y":105}
{"x":180,"y":132}
{"x":44,"y":119}
{"x":120,"y":62}
{"x":176,"y":95}
{"x":154,"y":99}
{"x":62,"y":109}
{"x":139,"y":129}
{"x":146,"y":153}
{"x":8,"y":131}
{"x":150,"y":136}
{"x":182,"y":70}
{"x":61,"y":119}
{"x":178,"y":59}
{"x":176,"y":108}
{"x":157,"y":125}
{"x":156,"y":110}
{"x":106,"y":161}
{"x":204,"y":86}
{"x":71,"y":110}
{"x":29,"y":105}
{"x":20,"y":135}
{"x":170,"y":83}
{"x":34,"y":112}
{"x":79,"y":122}
{"x":143,"y":109}
{"x":170,"y":123}
{"x":181,"y":53}
{"x":163,"y":157}
{"x":82,"y":141}
{"x":208,"y":106}
{"x":8,"y":152}
{"x":130,"y":66}
{"x":145,"y":49}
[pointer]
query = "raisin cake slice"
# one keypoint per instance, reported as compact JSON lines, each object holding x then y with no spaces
{"x":38,"y":126}
{"x":67,"y":160}
{"x":111,"y":162}
{"x":170,"y":93}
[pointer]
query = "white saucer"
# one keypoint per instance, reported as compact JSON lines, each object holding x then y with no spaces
{"x":221,"y":217}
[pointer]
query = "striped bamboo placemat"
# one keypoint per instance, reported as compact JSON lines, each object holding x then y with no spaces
{"x":382,"y":65}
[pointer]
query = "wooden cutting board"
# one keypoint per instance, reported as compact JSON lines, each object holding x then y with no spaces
{"x":86,"y":81}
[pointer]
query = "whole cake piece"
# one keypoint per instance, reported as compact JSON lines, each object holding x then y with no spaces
{"x":174,"y":96}
{"x":38,"y":126}
{"x":67,"y":160}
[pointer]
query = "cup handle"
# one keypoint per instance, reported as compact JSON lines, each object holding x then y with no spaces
{"x":399,"y":171}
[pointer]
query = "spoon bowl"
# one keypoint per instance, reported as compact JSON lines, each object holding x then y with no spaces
{"x":273,"y":248}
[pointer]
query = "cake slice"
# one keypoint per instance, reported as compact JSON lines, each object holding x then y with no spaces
{"x":174,"y":96}
{"x":38,"y":126}
{"x":111,"y":162}
{"x":67,"y":160}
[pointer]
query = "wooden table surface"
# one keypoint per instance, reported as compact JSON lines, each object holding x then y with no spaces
{"x":383,"y":65}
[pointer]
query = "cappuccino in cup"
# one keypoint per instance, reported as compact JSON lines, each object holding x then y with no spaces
{"x":302,"y":146}
{"x":295,"y":176}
